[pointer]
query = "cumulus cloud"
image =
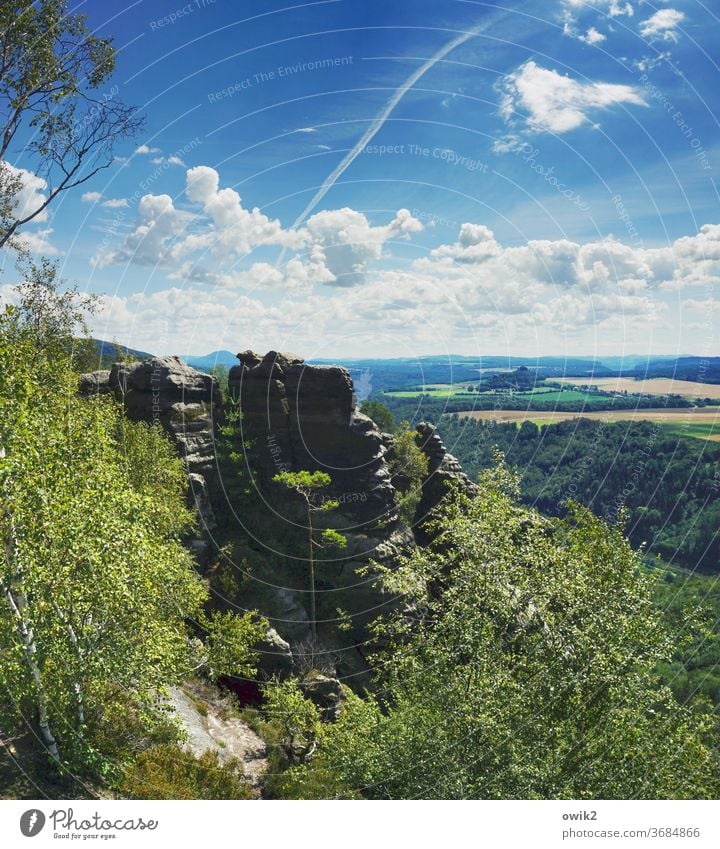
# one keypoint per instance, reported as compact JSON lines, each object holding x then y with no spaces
{"x":592,"y":36}
{"x":663,"y":24}
{"x":473,"y":288}
{"x":341,"y":242}
{"x":608,"y":266}
{"x":38,"y":242}
{"x":553,"y":102}
{"x":145,"y":150}
{"x":236,"y":230}
{"x":208,"y":245}
{"x":115,"y":203}
{"x":575,"y":10}
{"x":149,"y":244}
{"x":30,"y":195}
{"x":91,"y":197}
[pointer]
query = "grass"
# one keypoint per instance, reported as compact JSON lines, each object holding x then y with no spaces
{"x":702,"y":430}
{"x":650,"y":386}
{"x":445,"y":391}
{"x":696,"y":422}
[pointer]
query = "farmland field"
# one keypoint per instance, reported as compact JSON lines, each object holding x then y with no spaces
{"x":651,"y":386}
{"x":702,"y":422}
{"x":548,"y":394}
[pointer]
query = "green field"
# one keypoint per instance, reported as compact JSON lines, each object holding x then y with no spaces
{"x":701,"y":430}
{"x":548,"y":395}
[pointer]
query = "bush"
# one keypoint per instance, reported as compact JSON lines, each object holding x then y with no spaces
{"x":171,"y":772}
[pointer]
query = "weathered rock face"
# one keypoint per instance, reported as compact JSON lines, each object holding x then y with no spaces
{"x":444,"y":472}
{"x":295,"y":417}
{"x":275,"y":657}
{"x":166,"y":391}
{"x":300,"y":416}
{"x":94,"y":383}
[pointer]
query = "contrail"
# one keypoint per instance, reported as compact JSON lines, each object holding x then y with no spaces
{"x":376,"y":125}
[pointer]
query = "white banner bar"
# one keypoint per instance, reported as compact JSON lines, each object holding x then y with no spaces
{"x":359,"y":825}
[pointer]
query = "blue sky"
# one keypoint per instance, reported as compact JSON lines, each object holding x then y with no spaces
{"x":536,"y":178}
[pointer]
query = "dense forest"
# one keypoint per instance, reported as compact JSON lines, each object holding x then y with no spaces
{"x":424,"y":407}
{"x":664,"y":488}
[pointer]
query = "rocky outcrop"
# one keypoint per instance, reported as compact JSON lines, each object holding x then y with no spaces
{"x":166,"y":391}
{"x":297,"y":416}
{"x":326,"y":693}
{"x":301,"y":416}
{"x":274,"y":657}
{"x":207,"y":721}
{"x":94,"y":383}
{"x":444,"y":474}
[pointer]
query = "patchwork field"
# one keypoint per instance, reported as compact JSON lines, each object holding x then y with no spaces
{"x":652,"y":386}
{"x":547,"y":394}
{"x":701,"y":422}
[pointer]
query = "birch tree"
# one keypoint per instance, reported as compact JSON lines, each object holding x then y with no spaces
{"x":60,"y":119}
{"x":96,"y":584}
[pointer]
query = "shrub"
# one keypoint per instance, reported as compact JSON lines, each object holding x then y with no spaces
{"x":171,"y":772}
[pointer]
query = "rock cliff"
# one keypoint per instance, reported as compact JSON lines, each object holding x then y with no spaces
{"x":294,"y":416}
{"x":166,"y":391}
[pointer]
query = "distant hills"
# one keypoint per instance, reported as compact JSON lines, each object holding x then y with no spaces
{"x":209,"y":361}
{"x":392,"y":373}
{"x":109,"y":350}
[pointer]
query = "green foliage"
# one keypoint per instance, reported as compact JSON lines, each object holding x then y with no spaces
{"x":411,"y":465}
{"x":172,"y":772}
{"x":529,"y":670}
{"x":286,"y":705}
{"x":303,"y":481}
{"x":229,"y":643}
{"x":96,"y":582}
{"x":690,"y":604}
{"x":307,"y":484}
{"x":668,"y":485}
{"x":380,"y":414}
{"x":221,"y":373}
{"x":51,"y":67}
{"x":233,"y":452}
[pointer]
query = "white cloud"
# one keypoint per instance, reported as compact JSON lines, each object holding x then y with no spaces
{"x":342,"y":242}
{"x":556,"y":103}
{"x":334,"y":248}
{"x":647,"y":63}
{"x":38,"y":242}
{"x":663,"y":24}
{"x":707,"y":305}
{"x":235,"y":230}
{"x":170,"y":160}
{"x":474,"y":292}
{"x":592,"y":36}
{"x":144,"y":150}
{"x":91,"y":197}
{"x":615,"y":8}
{"x":306,"y":130}
{"x":30,"y":195}
{"x":115,"y":203}
{"x":158,"y":224}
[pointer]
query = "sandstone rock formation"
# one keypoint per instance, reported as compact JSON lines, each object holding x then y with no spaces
{"x":166,"y":391}
{"x":295,"y":416}
{"x":301,"y":416}
{"x":444,"y":472}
